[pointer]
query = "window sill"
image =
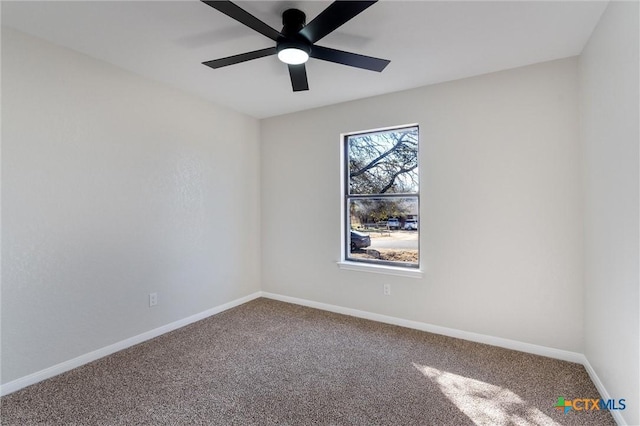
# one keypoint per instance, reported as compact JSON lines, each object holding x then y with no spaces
{"x":381,"y":269}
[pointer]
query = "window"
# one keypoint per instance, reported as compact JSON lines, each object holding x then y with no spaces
{"x":381,"y":197}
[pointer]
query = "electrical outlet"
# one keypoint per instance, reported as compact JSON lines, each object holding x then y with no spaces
{"x":387,"y":289}
{"x":153,"y":299}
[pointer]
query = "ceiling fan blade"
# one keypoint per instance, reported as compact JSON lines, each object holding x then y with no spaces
{"x":298,"y":74}
{"x":333,"y":17}
{"x":348,"y":58}
{"x":233,"y":11}
{"x":243,"y":57}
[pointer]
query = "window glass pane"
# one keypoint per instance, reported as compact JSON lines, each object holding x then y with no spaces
{"x":383,"y":162}
{"x":383,"y":230}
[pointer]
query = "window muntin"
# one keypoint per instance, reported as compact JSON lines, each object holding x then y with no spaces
{"x":381,"y":197}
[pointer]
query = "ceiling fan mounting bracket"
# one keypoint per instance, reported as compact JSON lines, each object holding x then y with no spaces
{"x":293,"y":20}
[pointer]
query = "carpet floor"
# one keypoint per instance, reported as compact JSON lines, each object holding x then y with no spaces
{"x":274,"y":363}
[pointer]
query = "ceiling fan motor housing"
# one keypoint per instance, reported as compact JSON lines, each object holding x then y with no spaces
{"x":293,"y":20}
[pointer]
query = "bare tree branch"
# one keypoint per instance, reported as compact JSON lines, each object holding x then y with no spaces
{"x":381,"y":157}
{"x":395,"y":176}
{"x":383,"y":162}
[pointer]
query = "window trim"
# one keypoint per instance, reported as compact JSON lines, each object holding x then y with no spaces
{"x":399,"y":271}
{"x":390,"y":268}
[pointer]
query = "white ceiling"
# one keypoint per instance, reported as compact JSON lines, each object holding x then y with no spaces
{"x":427,"y":42}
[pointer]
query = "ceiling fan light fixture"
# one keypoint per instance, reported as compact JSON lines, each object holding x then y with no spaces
{"x":293,"y":56}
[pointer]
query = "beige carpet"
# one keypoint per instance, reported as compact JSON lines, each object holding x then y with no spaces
{"x":273,"y":363}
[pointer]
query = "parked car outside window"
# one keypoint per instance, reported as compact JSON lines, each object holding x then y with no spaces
{"x":393,"y":223}
{"x":411,"y":225}
{"x":359,"y":240}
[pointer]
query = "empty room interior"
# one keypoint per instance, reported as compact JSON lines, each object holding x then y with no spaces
{"x":308,"y":212}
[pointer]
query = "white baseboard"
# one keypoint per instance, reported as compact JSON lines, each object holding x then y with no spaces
{"x":617,"y":415}
{"x":451,"y":332}
{"x":38,"y":376}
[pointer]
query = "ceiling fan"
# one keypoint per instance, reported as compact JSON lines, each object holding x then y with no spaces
{"x":296,"y":42}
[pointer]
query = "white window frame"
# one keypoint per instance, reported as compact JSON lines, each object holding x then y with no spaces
{"x":363,"y":266}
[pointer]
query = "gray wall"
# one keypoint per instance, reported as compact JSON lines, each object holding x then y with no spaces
{"x":113,"y":187}
{"x":501,"y":206}
{"x":609,"y":122}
